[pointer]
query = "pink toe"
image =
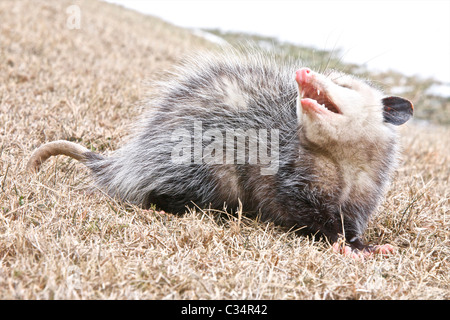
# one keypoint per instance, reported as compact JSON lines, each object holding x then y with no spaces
{"x":385,"y":249}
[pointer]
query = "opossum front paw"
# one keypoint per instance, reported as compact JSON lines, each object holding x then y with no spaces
{"x":347,"y":251}
{"x":364,"y":252}
{"x":382,"y":249}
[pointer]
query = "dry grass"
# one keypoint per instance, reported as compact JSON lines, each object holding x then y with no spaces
{"x":61,"y":240}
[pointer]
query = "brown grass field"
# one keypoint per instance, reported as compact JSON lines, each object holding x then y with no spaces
{"x":62,"y":239}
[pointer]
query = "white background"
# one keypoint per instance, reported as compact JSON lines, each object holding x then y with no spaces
{"x":412,"y":37}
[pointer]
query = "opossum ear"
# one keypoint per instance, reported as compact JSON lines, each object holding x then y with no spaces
{"x":397,"y":110}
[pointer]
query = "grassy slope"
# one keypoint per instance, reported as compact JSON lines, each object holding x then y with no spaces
{"x":59,"y":239}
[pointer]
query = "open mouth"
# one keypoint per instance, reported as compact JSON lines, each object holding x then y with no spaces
{"x":312,"y":96}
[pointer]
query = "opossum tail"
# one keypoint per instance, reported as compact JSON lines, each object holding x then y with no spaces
{"x":58,"y":147}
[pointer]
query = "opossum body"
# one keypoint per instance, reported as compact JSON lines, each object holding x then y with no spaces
{"x":330,"y":140}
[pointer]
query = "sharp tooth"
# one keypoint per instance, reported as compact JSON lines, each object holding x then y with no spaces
{"x":318,"y":92}
{"x":303,"y":92}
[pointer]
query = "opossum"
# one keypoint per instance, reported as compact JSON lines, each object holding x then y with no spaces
{"x":309,"y":151}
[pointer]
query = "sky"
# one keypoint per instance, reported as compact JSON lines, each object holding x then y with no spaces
{"x":412,"y":37}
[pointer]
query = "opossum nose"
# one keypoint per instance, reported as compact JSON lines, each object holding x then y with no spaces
{"x":302,"y":75}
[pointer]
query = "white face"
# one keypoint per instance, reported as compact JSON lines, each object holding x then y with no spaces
{"x":337,"y":108}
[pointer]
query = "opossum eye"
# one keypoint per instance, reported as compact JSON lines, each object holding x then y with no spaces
{"x":345,"y":86}
{"x":397,"y":110}
{"x":342,"y":85}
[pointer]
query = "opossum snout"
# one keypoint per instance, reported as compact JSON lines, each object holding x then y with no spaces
{"x":303,"y":75}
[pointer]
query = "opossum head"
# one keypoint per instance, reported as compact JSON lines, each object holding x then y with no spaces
{"x":340,"y":108}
